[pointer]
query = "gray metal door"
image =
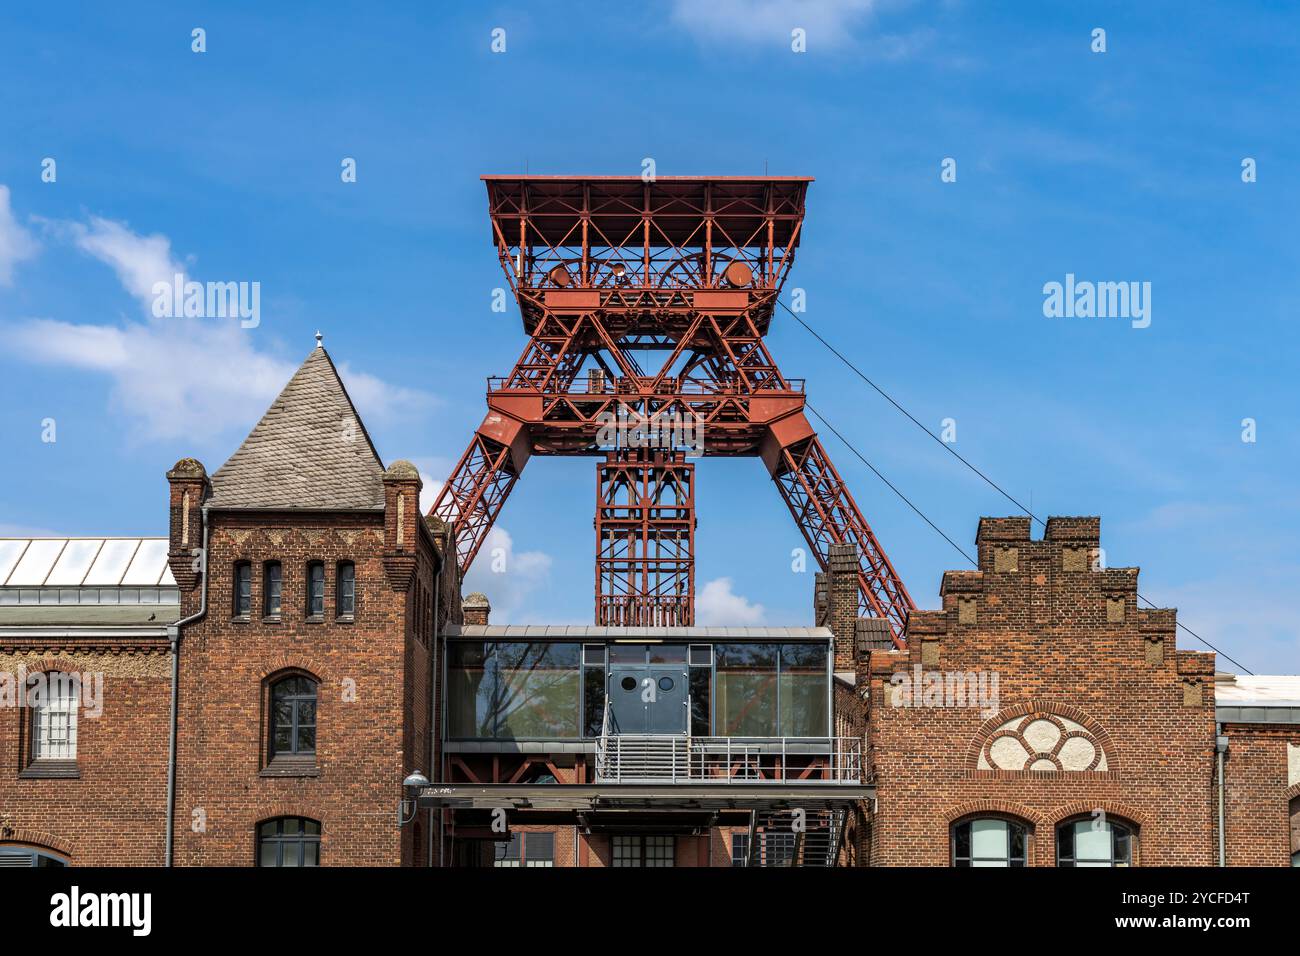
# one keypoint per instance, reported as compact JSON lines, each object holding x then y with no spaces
{"x":648,"y":698}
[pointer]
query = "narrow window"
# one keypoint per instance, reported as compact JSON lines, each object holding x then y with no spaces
{"x":243,"y":589}
{"x":316,"y":589}
{"x":293,"y":717}
{"x":345,"y":591}
{"x":54,"y":717}
{"x":739,"y":849}
{"x":272,"y":581}
{"x":288,"y":841}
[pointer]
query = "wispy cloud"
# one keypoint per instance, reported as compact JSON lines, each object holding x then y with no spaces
{"x":718,"y":604}
{"x":508,"y":578}
{"x":16,"y":243}
{"x":139,"y":261}
{"x":183,"y":377}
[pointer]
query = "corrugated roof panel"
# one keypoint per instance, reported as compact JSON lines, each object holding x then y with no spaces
{"x":36,"y":562}
{"x":11,"y":549}
{"x":148,"y":564}
{"x":74,"y":562}
{"x":112,"y":562}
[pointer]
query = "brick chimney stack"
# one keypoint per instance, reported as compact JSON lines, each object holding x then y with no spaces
{"x":189,"y":490}
{"x":842,"y":602}
{"x":401,"y":522}
{"x":476,"y":608}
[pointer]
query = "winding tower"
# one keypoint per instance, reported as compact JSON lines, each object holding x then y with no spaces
{"x":646,"y":304}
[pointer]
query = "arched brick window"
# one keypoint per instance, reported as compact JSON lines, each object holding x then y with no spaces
{"x":288,"y":841}
{"x":1095,"y":841}
{"x":990,"y":841}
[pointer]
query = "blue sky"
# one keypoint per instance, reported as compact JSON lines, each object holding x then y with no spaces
{"x":1115,"y":166}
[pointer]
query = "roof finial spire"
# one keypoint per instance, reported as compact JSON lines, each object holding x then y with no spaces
{"x":319,"y":339}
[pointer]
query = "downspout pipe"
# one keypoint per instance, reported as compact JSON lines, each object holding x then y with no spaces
{"x":174,"y":633}
{"x":433,"y":693}
{"x":1221,"y":751}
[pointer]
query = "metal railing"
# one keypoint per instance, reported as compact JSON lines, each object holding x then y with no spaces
{"x":682,"y":758}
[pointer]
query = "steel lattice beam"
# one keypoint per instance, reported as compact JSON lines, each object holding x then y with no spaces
{"x":646,"y":306}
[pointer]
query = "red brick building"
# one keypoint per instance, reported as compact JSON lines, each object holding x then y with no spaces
{"x":303,"y":624}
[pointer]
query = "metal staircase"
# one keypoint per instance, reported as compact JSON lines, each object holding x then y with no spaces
{"x":788,"y":838}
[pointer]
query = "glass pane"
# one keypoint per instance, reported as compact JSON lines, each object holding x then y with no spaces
{"x":1091,"y":842}
{"x":311,"y":827}
{"x":627,"y":653}
{"x":110,"y":564}
{"x":667,"y":653}
{"x":306,"y":740}
{"x":148,"y":564}
{"x":311,"y":853}
{"x":515,"y":690}
{"x":961,"y":844}
{"x":593,"y":683}
{"x":701,"y":715}
{"x":804,"y":688}
{"x":537,"y":690}
{"x":75,"y":561}
{"x":746,"y":690}
{"x":267,"y":852}
{"x":291,"y":853}
{"x":989,"y":840}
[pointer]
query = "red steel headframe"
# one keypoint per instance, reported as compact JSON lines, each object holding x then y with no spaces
{"x":646,"y":304}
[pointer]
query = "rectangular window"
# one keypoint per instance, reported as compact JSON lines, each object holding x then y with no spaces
{"x":345,"y":591}
{"x":54,"y":718}
{"x":802,"y":691}
{"x":243,"y":589}
{"x":643,"y":851}
{"x":316,"y":589}
{"x":271,"y":584}
{"x":739,"y":848}
{"x":746,"y":690}
{"x":526,"y":849}
{"x":513,"y":690}
{"x":771,"y":690}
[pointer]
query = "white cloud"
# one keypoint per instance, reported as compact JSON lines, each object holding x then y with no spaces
{"x":16,"y":243}
{"x":829,"y":23}
{"x":139,"y":261}
{"x":183,"y":377}
{"x":506,"y":577}
{"x":718,"y":604}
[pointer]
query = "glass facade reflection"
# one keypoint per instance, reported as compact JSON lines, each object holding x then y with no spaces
{"x":539,"y":690}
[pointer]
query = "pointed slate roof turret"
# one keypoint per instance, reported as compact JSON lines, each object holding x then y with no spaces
{"x":310,"y":451}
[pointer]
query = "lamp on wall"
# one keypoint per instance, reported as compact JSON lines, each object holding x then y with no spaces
{"x":406,"y":807}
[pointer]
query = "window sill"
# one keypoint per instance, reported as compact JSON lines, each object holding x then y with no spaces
{"x":50,"y":770}
{"x":315,"y":619}
{"x":291,"y":767}
{"x":240,"y":619}
{"x":345,"y":619}
{"x":271,"y":619}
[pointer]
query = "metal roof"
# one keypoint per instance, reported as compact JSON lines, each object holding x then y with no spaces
{"x":1257,"y":699}
{"x":84,"y":562}
{"x":593,"y":632}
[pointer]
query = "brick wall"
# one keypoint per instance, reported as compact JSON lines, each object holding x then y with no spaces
{"x":1067,"y":639}
{"x":1262,"y":800}
{"x":113,"y":812}
{"x":373,"y":674}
